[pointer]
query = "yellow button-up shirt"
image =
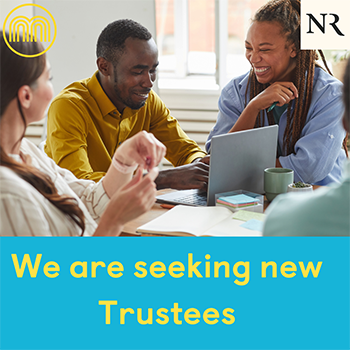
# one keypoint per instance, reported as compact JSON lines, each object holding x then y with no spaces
{"x":84,"y":129}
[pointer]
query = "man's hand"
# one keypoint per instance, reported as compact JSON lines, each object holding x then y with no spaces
{"x":205,"y":160}
{"x":185,"y":177}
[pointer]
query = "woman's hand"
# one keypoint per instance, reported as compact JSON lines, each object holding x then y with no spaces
{"x":142,"y":149}
{"x":131,"y":201}
{"x":281,"y":92}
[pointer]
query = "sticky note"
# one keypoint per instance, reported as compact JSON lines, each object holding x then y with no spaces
{"x":253,"y":224}
{"x":239,"y":199}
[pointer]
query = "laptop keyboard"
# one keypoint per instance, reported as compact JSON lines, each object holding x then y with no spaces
{"x":193,"y":199}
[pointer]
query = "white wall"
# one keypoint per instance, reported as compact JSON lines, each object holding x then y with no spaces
{"x":79,"y":24}
{"x":6,"y":6}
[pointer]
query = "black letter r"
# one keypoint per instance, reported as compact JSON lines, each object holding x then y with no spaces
{"x":336,"y":20}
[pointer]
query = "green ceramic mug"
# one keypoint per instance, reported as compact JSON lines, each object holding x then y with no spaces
{"x":276,"y":181}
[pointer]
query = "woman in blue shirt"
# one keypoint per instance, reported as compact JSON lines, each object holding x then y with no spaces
{"x":308,"y":100}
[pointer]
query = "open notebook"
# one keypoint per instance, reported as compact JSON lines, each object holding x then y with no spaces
{"x":205,"y":221}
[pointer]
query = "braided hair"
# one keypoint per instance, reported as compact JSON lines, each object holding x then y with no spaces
{"x":287,"y":14}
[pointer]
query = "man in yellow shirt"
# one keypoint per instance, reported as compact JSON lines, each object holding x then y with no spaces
{"x":90,"y":118}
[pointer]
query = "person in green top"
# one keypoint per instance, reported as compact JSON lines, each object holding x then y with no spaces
{"x":324,"y":212}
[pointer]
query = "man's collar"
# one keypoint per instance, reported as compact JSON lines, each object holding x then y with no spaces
{"x":104,"y":103}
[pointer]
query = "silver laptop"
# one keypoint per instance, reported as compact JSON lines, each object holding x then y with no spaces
{"x":237,"y":162}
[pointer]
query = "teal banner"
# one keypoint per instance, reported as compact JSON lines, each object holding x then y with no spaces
{"x":174,"y":293}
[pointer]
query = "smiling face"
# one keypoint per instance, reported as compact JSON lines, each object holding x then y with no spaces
{"x":132,"y":78}
{"x":269,"y":53}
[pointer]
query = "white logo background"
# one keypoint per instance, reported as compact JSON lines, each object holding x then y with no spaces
{"x":330,"y":39}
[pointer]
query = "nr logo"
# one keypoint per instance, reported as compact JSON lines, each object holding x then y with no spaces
{"x":41,"y":27}
{"x":322,"y":27}
{"x":324,"y":24}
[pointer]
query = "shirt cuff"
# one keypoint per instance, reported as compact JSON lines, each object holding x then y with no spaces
{"x":101,"y":199}
{"x":194,"y":156}
{"x":286,"y":163}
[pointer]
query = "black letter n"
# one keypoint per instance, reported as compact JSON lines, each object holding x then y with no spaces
{"x":322,"y":28}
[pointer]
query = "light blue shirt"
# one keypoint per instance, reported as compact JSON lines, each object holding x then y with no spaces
{"x":323,"y":212}
{"x":318,"y":157}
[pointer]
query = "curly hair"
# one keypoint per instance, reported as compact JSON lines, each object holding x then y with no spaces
{"x":111,"y":42}
{"x":287,"y":14}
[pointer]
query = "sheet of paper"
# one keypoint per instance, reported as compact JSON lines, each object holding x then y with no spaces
{"x":231,"y":228}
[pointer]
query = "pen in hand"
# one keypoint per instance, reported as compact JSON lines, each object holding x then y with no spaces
{"x":275,"y":103}
{"x":272,"y":106}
